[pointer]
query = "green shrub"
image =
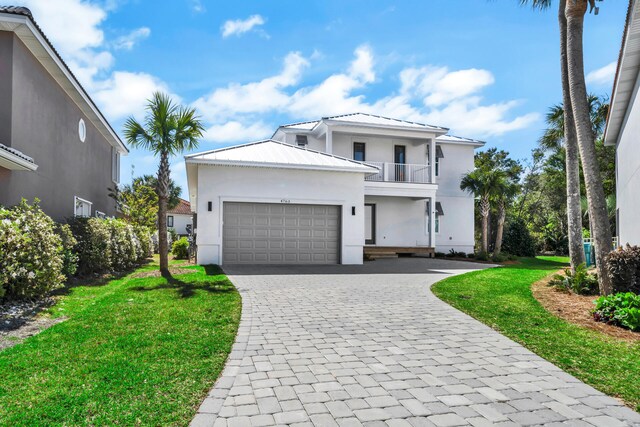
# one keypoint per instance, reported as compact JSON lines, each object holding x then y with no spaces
{"x":93,"y":247}
{"x":482,"y":256}
{"x":124,"y":245}
{"x":623,"y":266}
{"x":517,"y":239}
{"x":581,"y":282}
{"x":69,"y":257}
{"x":499,"y":257}
{"x":31,"y":260}
{"x":471,"y":255}
{"x":439,"y":254}
{"x":180,"y":248}
{"x":146,"y":241}
{"x":621,"y":309}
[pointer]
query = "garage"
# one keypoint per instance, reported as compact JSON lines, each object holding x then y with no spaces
{"x":280,"y":233}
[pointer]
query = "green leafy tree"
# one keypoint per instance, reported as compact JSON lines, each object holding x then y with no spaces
{"x":168,"y":130}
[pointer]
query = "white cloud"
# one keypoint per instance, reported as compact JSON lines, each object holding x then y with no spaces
{"x":429,"y":94}
{"x":256,"y":97}
{"x":197,"y":6}
{"x":603,"y":76}
{"x":127,"y":42}
{"x":125,"y":93}
{"x":235,"y":131}
{"x":241,"y":26}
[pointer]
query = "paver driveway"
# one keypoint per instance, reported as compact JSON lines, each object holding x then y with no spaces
{"x":370,"y":345}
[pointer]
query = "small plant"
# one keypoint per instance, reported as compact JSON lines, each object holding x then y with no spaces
{"x":471,"y":255}
{"x":482,"y":256}
{"x":580,"y":282}
{"x":621,"y":309}
{"x":451,"y":253}
{"x":499,"y":257}
{"x":440,"y":254}
{"x":180,"y":248}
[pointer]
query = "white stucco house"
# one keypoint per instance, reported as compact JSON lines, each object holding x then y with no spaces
{"x":332,"y":190}
{"x":623,"y":129}
{"x":180,"y":218}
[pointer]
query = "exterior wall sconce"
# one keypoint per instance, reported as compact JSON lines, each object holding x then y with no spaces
{"x":353,"y":210}
{"x":209,"y":206}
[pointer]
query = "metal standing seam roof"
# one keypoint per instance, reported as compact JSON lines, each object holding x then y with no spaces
{"x":26,"y":12}
{"x":458,"y":140}
{"x":276,"y":154}
{"x":365,"y":119}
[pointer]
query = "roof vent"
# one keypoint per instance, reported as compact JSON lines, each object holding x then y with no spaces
{"x":301,"y":140}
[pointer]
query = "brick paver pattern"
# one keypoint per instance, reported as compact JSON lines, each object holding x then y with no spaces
{"x":382,"y":350}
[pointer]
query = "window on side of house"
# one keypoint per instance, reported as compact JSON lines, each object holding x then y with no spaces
{"x":115,"y":165}
{"x":359,"y":151}
{"x":101,"y":215}
{"x":170,"y":221}
{"x":82,"y":207}
{"x":439,"y":155}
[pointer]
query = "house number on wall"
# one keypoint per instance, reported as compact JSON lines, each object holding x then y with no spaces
{"x":285,"y":201}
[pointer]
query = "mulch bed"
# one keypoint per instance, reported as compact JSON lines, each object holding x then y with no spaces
{"x":577,"y":310}
{"x":20,"y":320}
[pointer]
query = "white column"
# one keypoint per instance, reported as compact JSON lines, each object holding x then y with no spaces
{"x":432,"y":161}
{"x":432,"y":222}
{"x":329,"y":145}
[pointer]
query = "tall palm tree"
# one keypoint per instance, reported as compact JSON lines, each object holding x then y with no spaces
{"x":505,"y":191}
{"x":484,"y":184}
{"x":168,"y":130}
{"x":575,"y":11}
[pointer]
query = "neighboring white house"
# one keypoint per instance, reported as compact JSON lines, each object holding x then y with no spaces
{"x":180,"y":218}
{"x":623,"y":129}
{"x":329,"y":190}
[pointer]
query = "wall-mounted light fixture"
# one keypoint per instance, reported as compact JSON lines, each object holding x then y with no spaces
{"x":353,"y":210}
{"x":209,"y":206}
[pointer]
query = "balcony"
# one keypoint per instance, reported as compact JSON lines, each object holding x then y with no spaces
{"x":400,"y":172}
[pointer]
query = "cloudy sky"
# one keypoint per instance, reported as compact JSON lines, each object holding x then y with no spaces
{"x":485,"y":69}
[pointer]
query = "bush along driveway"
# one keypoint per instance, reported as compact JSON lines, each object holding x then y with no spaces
{"x":502,"y":299}
{"x":138,"y":350}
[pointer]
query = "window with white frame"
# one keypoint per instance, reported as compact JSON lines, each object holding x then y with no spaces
{"x":82,"y":207}
{"x":439,"y":155}
{"x":115,"y":165}
{"x":438,"y":213}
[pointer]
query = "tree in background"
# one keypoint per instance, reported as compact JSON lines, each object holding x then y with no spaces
{"x":168,"y":130}
{"x":138,"y":201}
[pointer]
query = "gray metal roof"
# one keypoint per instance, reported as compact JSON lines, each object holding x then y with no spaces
{"x":16,"y":153}
{"x":458,"y":140}
{"x":276,"y":154}
{"x":364,"y":119}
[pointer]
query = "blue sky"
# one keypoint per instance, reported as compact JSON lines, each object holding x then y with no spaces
{"x":486,"y":69}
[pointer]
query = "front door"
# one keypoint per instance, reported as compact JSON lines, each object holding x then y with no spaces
{"x":370,"y":224}
{"x":399,"y":158}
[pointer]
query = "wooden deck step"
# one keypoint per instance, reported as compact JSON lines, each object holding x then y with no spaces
{"x":371,"y":252}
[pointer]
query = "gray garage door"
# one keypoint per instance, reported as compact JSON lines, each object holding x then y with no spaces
{"x":264,"y":233}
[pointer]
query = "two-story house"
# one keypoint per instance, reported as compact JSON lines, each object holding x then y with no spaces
{"x":332,"y":190}
{"x":55,"y":144}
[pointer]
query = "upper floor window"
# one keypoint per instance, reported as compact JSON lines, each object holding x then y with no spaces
{"x":82,"y":131}
{"x":82,"y":207}
{"x":301,"y":140}
{"x":439,"y":155}
{"x":115,"y":165}
{"x":358,"y":151}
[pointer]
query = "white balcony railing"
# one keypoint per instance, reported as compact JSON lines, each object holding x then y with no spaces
{"x":400,"y":172}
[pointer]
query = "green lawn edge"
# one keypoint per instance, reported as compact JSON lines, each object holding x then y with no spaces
{"x":502,"y":299}
{"x":133,"y":351}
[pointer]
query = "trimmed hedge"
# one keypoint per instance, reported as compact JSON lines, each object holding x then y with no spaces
{"x":180,"y":248}
{"x":623,"y":266}
{"x":31,"y":253}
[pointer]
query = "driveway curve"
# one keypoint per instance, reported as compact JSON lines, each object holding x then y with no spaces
{"x":371,"y":345}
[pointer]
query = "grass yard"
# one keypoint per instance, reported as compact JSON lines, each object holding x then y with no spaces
{"x":136,"y":350}
{"x":501,"y":298}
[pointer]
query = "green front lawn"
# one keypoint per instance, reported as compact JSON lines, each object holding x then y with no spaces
{"x":134,"y":351}
{"x":501,"y":298}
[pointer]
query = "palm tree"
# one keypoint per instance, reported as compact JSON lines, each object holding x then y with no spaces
{"x":575,"y":11}
{"x":505,"y":191}
{"x":571,"y":21}
{"x":168,"y":130}
{"x":484,"y":184}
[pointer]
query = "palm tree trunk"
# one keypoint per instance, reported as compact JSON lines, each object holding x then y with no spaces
{"x":163,"y":198}
{"x":485,"y":208}
{"x":502,"y":216}
{"x":574,"y":12}
{"x":574,"y":210}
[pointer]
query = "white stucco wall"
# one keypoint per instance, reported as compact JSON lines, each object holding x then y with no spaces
{"x":180,"y":223}
{"x":218,"y":184}
{"x":380,"y":149}
{"x":400,"y":221}
{"x":628,"y":177}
